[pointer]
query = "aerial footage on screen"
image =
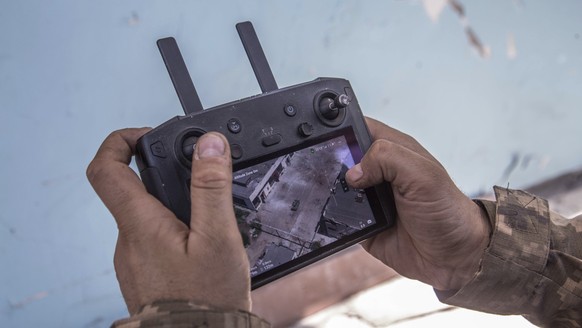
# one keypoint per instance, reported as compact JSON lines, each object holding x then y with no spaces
{"x":291,"y":205}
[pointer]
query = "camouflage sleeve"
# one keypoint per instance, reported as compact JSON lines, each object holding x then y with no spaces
{"x":184,"y":314}
{"x":532,"y":266}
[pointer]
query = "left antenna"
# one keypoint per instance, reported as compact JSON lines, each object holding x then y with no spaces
{"x":179,"y":75}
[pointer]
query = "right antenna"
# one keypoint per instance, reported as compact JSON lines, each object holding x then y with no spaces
{"x":256,"y":56}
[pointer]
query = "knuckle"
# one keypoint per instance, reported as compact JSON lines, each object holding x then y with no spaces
{"x":117,"y":134}
{"x":94,"y":170}
{"x":95,"y":167}
{"x":408,"y":138}
{"x":376,"y":160}
{"x":98,"y":170}
{"x":381,"y":147}
{"x":90,"y":171}
{"x":120,"y":133}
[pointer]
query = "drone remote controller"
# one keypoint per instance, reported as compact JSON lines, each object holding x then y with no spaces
{"x":290,"y":147}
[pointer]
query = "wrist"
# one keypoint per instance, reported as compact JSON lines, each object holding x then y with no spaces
{"x":477,"y":242}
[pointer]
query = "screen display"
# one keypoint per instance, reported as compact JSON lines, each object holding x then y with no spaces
{"x":297,"y":203}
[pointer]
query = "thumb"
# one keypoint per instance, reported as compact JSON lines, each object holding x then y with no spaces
{"x":211,"y":185}
{"x":391,"y":162}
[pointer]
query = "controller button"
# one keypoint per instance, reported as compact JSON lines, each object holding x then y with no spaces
{"x":290,"y":110}
{"x":330,"y":107}
{"x":271,"y":140}
{"x":305,"y":129}
{"x":234,"y":125}
{"x":188,"y":147}
{"x":236,"y":151}
{"x":158,"y":149}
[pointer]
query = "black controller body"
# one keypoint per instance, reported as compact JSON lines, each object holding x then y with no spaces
{"x":260,"y":129}
{"x":265,"y":129}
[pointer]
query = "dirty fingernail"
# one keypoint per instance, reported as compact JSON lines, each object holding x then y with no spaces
{"x":209,"y":145}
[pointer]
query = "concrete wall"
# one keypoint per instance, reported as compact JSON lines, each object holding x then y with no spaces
{"x":72,"y":71}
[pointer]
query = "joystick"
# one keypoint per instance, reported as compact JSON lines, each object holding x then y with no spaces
{"x":188,"y":146}
{"x":329,"y":107}
{"x":290,"y":148}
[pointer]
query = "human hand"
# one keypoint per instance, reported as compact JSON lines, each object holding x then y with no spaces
{"x":157,"y":256}
{"x":440,"y":233}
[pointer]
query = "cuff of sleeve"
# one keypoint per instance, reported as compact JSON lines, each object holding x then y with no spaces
{"x":512,"y":263}
{"x":186,"y":314}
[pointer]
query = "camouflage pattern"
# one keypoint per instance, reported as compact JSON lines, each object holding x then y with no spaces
{"x":532,"y":266}
{"x":182,"y":314}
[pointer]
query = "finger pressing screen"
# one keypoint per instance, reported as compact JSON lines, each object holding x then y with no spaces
{"x":391,"y":162}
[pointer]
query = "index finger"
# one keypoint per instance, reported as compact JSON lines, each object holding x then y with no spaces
{"x":379,"y":130}
{"x":118,"y":185}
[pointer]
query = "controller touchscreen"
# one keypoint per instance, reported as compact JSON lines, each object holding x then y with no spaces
{"x":297,"y":203}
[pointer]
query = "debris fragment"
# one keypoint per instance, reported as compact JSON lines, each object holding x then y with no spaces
{"x":483,"y":50}
{"x":434,"y":8}
{"x":32,"y":298}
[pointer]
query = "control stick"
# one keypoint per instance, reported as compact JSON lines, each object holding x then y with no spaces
{"x":329,"y":107}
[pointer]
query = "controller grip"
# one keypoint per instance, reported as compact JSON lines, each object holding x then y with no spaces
{"x":154,"y":185}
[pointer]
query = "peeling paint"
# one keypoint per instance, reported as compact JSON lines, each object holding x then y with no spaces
{"x":30,"y":299}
